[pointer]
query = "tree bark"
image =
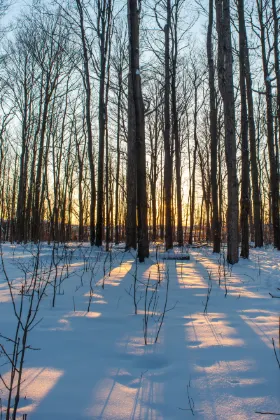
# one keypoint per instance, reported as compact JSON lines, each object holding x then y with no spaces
{"x":214,"y":135}
{"x":245,"y":198}
{"x":175,"y":127}
{"x":225,"y":73}
{"x":143,"y":242}
{"x":274,"y":181}
{"x":258,"y":230}
{"x":86,"y":80}
{"x":167,"y":146}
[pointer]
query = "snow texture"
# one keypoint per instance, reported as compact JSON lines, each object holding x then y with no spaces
{"x":209,"y":363}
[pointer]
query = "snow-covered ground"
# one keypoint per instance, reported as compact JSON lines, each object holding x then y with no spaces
{"x":213,"y":359}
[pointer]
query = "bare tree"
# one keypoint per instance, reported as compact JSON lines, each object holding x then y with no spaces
{"x":225,"y":74}
{"x":216,"y":229}
{"x":245,"y":198}
{"x":87,"y":85}
{"x":104,"y":29}
{"x":167,"y":142}
{"x":133,"y":21}
{"x":274,"y":179}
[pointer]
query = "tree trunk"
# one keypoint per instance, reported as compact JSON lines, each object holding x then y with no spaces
{"x":167,"y":147}
{"x":258,"y":230}
{"x":117,"y":218}
{"x":274,"y":182}
{"x":143,"y":242}
{"x":225,"y":73}
{"x":86,"y":80}
{"x":214,"y":135}
{"x":245,"y":198}
{"x":131,"y":175}
{"x":175,"y":127}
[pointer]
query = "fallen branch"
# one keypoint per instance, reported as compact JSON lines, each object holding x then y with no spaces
{"x":275,"y":297}
{"x":267,"y":413}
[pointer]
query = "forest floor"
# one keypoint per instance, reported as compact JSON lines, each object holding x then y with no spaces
{"x":214,"y":357}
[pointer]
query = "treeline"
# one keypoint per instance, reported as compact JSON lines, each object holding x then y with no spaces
{"x":141,"y":121}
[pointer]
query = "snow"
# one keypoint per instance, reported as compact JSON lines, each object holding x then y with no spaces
{"x":217,"y":363}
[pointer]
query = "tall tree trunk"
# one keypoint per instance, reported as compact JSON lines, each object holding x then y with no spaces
{"x":104,"y":34}
{"x":143,"y":242}
{"x":175,"y":127}
{"x":131,"y":175}
{"x":167,"y":146}
{"x":108,"y":160}
{"x":214,"y":134}
{"x":86,"y":80}
{"x":36,"y":224}
{"x":274,"y":182}
{"x":245,"y":198}
{"x":258,"y":230}
{"x":193,"y":176}
{"x":275,"y":13}
{"x":117,"y":216}
{"x":225,"y":73}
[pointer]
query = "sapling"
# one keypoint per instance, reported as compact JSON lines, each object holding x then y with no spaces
{"x":146,"y":312}
{"x":26,"y":310}
{"x":151,"y":302}
{"x":158,"y":266}
{"x":226,"y":289}
{"x":56,"y":260}
{"x":86,"y":253}
{"x":111,"y":262}
{"x":156,"y":296}
{"x":224,"y":263}
{"x":91,"y":284}
{"x":220,"y":268}
{"x":61,"y":264}
{"x":104,"y":270}
{"x":162,"y":316}
{"x":208,"y":292}
{"x":123,"y":254}
{"x":135,"y":284}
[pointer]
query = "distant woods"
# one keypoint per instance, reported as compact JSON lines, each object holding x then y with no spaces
{"x":137,"y":121}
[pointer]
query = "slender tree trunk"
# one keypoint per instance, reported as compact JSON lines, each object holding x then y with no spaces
{"x":214,"y":134}
{"x":143,"y":242}
{"x":175,"y":127}
{"x":87,"y":86}
{"x":274,"y":182}
{"x":258,"y":230}
{"x":193,"y":183}
{"x":167,"y":146}
{"x":36,"y":225}
{"x":276,"y":21}
{"x":131,"y":175}
{"x":245,"y":198}
{"x":117,"y":216}
{"x":225,"y":73}
{"x":102,"y":125}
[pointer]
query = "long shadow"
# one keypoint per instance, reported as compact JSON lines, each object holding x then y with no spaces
{"x":215,"y":365}
{"x":221,"y":369}
{"x":84,"y":351}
